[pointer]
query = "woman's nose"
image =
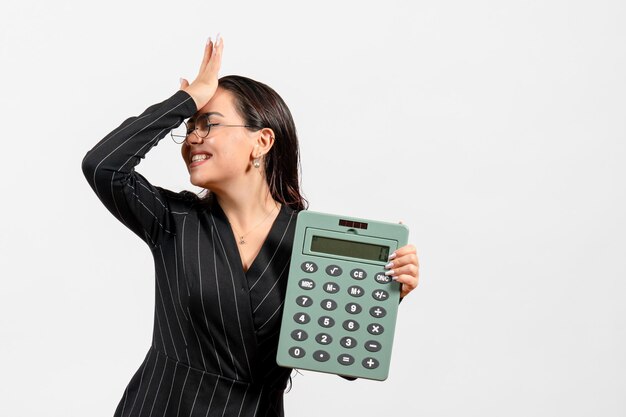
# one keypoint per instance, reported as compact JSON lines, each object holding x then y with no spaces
{"x":193,"y":138}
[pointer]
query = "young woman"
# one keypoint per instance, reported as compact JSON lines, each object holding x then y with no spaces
{"x":221,"y":261}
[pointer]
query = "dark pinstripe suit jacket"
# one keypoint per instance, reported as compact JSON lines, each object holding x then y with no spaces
{"x":215,"y":326}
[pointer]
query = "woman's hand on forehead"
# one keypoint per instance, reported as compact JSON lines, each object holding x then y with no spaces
{"x":204,"y":86}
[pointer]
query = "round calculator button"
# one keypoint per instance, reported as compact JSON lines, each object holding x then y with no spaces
{"x":321,"y":356}
{"x":306,"y":284}
{"x":331,"y":288}
{"x":347,"y":342}
{"x":351,"y":325}
{"x":334,"y":270}
{"x":372,"y":346}
{"x":358,"y":273}
{"x":329,"y":304}
{"x":304,"y":301}
{"x":355,"y":291}
{"x":323,"y":339}
{"x":380,"y":295}
{"x":297,"y":352}
{"x":326,"y":321}
{"x":309,"y":267}
{"x":302,"y":318}
{"x":381,"y":278}
{"x":375,"y":328}
{"x":378,"y":312}
{"x":353,"y":308}
{"x":370,"y":363}
{"x":299,"y":335}
{"x":345,"y":359}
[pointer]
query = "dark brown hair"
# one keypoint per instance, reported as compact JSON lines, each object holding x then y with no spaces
{"x":260,"y":106}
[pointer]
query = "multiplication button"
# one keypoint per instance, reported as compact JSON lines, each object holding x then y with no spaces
{"x":370,"y":363}
{"x":334,"y":270}
{"x":309,"y":267}
{"x":381,"y":278}
{"x":375,"y":329}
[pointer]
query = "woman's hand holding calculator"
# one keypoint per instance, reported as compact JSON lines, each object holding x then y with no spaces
{"x":404,"y":267}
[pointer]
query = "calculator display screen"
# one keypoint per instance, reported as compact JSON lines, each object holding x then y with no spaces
{"x":349,"y":248}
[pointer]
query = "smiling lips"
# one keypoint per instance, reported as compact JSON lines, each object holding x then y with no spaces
{"x":199,"y":158}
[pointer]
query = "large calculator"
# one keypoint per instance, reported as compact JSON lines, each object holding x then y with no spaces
{"x":340,"y":308}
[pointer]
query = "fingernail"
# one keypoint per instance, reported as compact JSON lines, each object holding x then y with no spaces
{"x":393,"y":255}
{"x":217,"y":39}
{"x":390,"y":272}
{"x":180,"y":80}
{"x":394,"y":278}
{"x":389,"y":265}
{"x":208,"y":41}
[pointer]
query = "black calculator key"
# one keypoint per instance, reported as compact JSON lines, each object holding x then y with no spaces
{"x":299,"y":335}
{"x":304,"y":301}
{"x":323,"y":339}
{"x":375,"y":329}
{"x":355,"y":291}
{"x":358,"y":273}
{"x":326,"y":321}
{"x":345,"y":359}
{"x":331,"y":288}
{"x":334,"y":270}
{"x":380,"y":295}
{"x":348,"y":342}
{"x":321,"y":356}
{"x":378,"y":312}
{"x":307,"y":284}
{"x":297,"y":352}
{"x":301,"y":318}
{"x":329,"y":304}
{"x":381,"y":278}
{"x":351,"y":325}
{"x":309,"y":267}
{"x":372,"y":346}
{"x":370,"y":363}
{"x":353,"y":308}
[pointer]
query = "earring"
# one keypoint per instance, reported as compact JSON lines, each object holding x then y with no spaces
{"x":256,"y":163}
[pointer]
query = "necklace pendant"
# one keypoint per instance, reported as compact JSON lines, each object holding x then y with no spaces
{"x":241,"y":241}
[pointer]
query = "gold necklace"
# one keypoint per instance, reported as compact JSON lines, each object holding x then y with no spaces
{"x":241,"y":236}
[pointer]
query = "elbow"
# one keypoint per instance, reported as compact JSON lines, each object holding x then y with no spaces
{"x":88,"y":166}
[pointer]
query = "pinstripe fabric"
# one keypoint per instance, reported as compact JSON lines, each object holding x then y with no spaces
{"x":216,"y":327}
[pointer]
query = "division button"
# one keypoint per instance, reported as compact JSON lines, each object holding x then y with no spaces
{"x":334,"y":270}
{"x":302,"y":318}
{"x":381,"y":278}
{"x":375,"y":329}
{"x":353,"y":308}
{"x":370,"y":363}
{"x":372,"y":346}
{"x":297,"y":352}
{"x":351,"y":325}
{"x":321,"y":356}
{"x":309,"y":267}
{"x":355,"y":291}
{"x":380,"y":295}
{"x":304,"y":301}
{"x":329,"y":304}
{"x":331,"y":287}
{"x":345,"y":359}
{"x":378,"y":312}
{"x":358,"y":273}
{"x":306,"y":284}
{"x":323,"y":339}
{"x":348,"y":342}
{"x":299,"y":335}
{"x":326,"y":321}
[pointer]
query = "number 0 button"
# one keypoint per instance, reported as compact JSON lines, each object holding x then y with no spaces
{"x":297,"y":352}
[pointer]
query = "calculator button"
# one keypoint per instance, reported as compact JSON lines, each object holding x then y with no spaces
{"x":323,"y":339}
{"x":375,"y":328}
{"x":299,"y":335}
{"x":321,"y":356}
{"x":329,"y":304}
{"x":297,"y":352}
{"x":378,"y":312}
{"x":306,"y":284}
{"x":334,"y":270}
{"x":380,"y":295}
{"x":347,"y":342}
{"x":309,"y":267}
{"x":331,"y":287}
{"x":301,"y":318}
{"x":381,"y":278}
{"x":353,"y":308}
{"x":304,"y":301}
{"x":326,"y":321}
{"x":358,"y":273}
{"x":345,"y":359}
{"x":372,"y":346}
{"x":370,"y":363}
{"x":351,"y":325}
{"x":355,"y":291}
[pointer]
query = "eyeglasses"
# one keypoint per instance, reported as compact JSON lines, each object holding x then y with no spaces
{"x":200,"y":127}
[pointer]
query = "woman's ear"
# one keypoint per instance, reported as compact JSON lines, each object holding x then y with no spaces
{"x":264,"y":142}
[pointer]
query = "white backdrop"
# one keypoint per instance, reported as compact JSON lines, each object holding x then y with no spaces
{"x":494,"y":130}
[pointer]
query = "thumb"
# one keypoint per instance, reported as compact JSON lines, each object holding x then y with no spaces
{"x":183,"y":83}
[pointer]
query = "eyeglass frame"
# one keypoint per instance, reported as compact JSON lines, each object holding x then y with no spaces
{"x":209,"y":126}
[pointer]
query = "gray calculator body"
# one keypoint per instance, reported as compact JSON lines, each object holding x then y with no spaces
{"x":340,"y":308}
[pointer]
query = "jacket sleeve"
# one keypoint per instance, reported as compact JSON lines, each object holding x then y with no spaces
{"x":109,"y":168}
